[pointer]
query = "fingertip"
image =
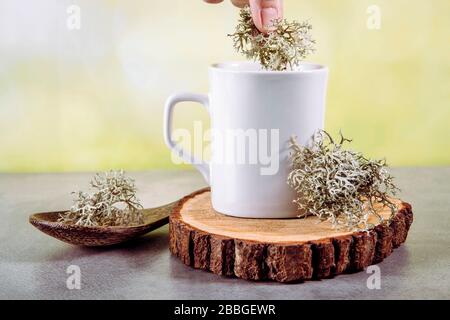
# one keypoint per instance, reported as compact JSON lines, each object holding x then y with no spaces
{"x":255,"y":9}
{"x":265,"y":12}
{"x":268,"y":17}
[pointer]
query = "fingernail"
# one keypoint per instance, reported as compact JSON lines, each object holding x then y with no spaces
{"x":268,"y":15}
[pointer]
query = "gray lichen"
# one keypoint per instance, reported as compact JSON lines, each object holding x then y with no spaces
{"x":339,"y":185}
{"x":281,"y":49}
{"x":112,"y":202}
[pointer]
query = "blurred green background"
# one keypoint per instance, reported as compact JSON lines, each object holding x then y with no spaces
{"x":92,"y":99}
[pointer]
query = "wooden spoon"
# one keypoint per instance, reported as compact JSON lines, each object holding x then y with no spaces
{"x":47,"y":222}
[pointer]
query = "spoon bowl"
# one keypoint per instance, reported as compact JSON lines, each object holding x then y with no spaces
{"x":98,"y":236}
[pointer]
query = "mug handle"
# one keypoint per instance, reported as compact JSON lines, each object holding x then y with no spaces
{"x":203,"y":99}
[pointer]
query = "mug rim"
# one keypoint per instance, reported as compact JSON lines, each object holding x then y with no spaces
{"x":232,"y":67}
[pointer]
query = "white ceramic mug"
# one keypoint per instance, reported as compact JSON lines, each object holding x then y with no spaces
{"x":246,"y":103}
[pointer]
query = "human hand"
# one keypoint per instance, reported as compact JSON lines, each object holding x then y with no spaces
{"x":263,"y":11}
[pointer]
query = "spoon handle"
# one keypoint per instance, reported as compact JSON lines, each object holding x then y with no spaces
{"x":159,"y":216}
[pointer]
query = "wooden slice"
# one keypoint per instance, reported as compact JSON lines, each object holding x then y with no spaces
{"x":290,"y":250}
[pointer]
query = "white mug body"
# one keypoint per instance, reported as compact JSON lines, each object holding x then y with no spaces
{"x":245,"y":103}
{"x":254,"y":113}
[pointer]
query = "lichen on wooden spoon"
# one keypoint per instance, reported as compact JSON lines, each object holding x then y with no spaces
{"x":111,"y":201}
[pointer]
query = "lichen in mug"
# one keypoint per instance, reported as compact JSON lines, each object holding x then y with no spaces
{"x":111,"y":202}
{"x":339,"y":185}
{"x":282,"y":48}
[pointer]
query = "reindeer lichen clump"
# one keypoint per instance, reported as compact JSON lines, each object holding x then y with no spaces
{"x":283,"y":48}
{"x":339,"y":185}
{"x":112,"y":202}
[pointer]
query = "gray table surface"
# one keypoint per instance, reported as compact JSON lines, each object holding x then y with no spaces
{"x":33,"y":265}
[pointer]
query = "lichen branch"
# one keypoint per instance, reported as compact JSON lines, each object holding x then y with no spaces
{"x":339,"y":185}
{"x":281,"y":49}
{"x":111,"y":202}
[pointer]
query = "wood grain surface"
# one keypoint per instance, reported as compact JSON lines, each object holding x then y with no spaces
{"x":284,"y":250}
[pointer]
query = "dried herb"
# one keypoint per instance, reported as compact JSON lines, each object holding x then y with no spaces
{"x":281,"y":49}
{"x":112,"y":202}
{"x":339,"y":185}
